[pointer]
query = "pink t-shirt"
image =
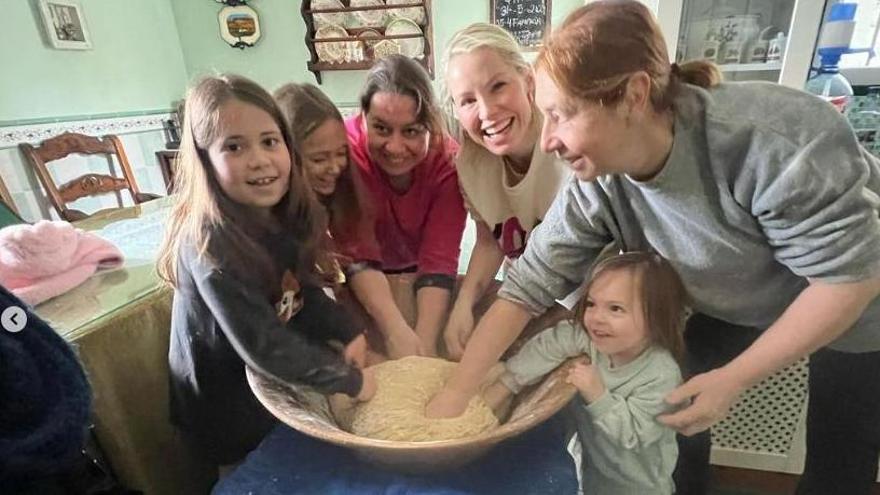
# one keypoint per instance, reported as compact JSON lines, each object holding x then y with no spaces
{"x":419,"y":229}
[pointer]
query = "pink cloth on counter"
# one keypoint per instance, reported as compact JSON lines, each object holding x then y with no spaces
{"x":47,"y":259}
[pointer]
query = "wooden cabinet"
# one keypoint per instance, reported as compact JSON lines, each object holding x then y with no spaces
{"x":352,"y":34}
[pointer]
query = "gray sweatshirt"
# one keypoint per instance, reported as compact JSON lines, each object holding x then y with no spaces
{"x":764,"y":188}
{"x":623,"y":449}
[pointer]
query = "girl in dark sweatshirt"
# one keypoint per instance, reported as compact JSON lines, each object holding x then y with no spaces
{"x":241,"y":250}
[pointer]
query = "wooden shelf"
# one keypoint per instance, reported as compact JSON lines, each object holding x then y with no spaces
{"x":371,"y":39}
{"x":365,"y":7}
{"x":317,"y":66}
{"x":322,"y":66}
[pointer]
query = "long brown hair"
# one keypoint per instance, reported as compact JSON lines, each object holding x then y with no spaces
{"x":206,"y":219}
{"x":662,"y":293}
{"x":401,"y":75}
{"x":307,"y":108}
{"x":600,"y":45}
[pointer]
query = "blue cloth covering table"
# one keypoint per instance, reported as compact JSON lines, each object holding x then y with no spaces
{"x":288,"y":462}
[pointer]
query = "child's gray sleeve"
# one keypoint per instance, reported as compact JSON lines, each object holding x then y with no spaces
{"x":543,"y":353}
{"x":631,"y":421}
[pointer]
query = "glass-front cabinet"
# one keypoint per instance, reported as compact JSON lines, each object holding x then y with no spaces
{"x":771,"y":40}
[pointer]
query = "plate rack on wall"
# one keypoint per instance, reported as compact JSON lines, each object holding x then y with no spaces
{"x":359,"y":51}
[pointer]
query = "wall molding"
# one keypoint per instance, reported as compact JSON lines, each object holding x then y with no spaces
{"x":33,"y":133}
{"x":11,"y":135}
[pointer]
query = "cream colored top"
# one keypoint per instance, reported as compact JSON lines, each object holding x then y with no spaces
{"x":495,"y":195}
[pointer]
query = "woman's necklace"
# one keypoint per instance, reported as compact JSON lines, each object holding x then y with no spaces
{"x":515,"y":173}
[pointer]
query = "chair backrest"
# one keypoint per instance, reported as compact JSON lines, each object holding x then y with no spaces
{"x":6,"y":197}
{"x":8,"y":213}
{"x":91,"y":184}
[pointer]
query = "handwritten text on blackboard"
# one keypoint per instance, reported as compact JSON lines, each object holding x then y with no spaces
{"x":526,"y":20}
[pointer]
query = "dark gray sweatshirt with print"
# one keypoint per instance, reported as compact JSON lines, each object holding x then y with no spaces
{"x":219,"y":324}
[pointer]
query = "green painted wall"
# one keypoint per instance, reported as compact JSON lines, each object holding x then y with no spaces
{"x":146,"y":51}
{"x":281,"y":55}
{"x":136,"y":64}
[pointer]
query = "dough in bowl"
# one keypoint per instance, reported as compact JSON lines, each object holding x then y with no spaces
{"x":397,"y":411}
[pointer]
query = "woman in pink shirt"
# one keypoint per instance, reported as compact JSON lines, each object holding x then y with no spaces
{"x":405,"y":159}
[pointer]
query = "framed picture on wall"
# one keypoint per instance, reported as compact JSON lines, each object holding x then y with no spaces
{"x":239,"y":25}
{"x":65,"y":24}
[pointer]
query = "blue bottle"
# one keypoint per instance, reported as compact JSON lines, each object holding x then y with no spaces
{"x":828,"y":83}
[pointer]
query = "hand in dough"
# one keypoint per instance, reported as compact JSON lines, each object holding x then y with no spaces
{"x":368,"y":388}
{"x":355,"y":352}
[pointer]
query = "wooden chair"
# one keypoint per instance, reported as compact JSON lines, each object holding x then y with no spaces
{"x":90,"y":184}
{"x":8,"y":213}
{"x":167,"y":163}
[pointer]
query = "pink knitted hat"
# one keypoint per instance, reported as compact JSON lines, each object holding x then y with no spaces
{"x":46,"y":259}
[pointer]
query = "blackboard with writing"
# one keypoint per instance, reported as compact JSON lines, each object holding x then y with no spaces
{"x":526,"y":20}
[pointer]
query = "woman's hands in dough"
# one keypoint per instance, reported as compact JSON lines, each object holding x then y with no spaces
{"x":447,"y":404}
{"x":707,"y":398}
{"x":458,"y":331}
{"x":427,"y":348}
{"x":402,"y":342}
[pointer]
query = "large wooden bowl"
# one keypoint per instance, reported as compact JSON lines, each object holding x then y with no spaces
{"x":309,"y":412}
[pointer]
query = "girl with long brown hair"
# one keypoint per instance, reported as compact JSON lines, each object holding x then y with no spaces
{"x":242,"y":243}
{"x":318,"y":129}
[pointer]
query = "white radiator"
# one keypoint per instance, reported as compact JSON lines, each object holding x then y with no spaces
{"x":766,"y":429}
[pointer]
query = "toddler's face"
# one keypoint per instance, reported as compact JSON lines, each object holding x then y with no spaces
{"x":249,"y":156}
{"x":614,"y":317}
{"x":325,"y":156}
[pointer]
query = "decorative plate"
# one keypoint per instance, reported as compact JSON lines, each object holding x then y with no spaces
{"x":415,"y":14}
{"x":239,"y":26}
{"x":367,"y":18}
{"x":366,"y":34}
{"x":336,"y":18}
{"x":385,"y":47}
{"x":411,"y":47}
{"x":333,"y":52}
